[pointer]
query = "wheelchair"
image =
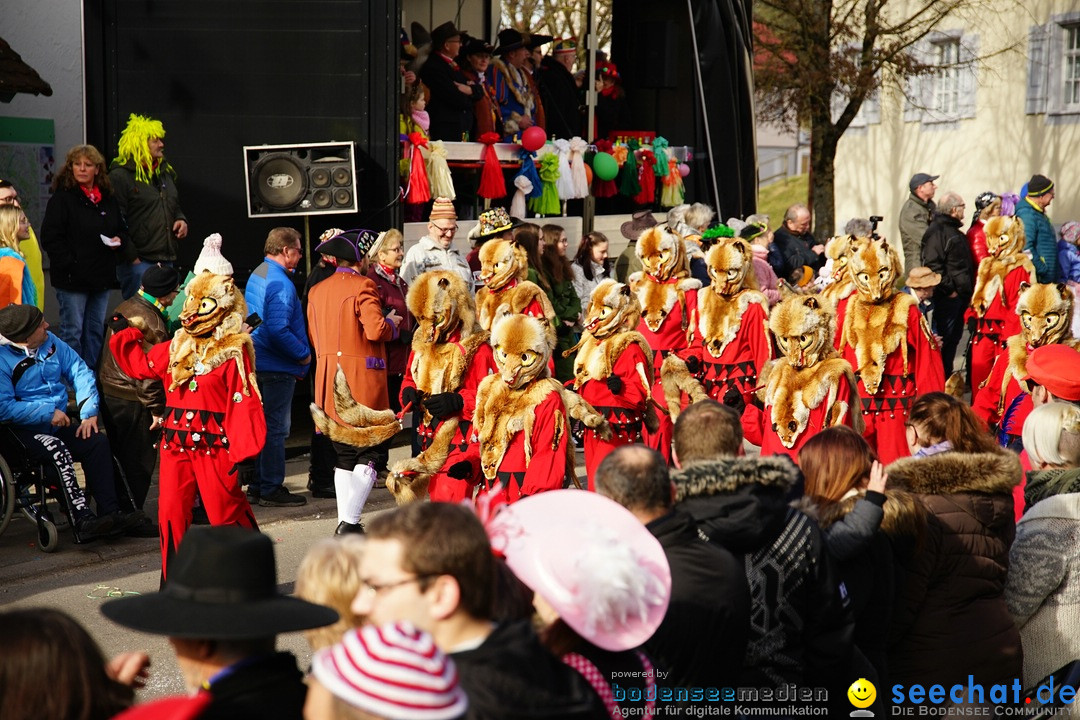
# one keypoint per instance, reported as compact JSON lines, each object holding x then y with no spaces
{"x":32,"y":487}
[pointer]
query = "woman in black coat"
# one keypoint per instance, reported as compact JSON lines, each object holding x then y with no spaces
{"x":85,"y":235}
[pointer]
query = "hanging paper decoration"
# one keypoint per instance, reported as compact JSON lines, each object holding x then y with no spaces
{"x":419,"y":189}
{"x":548,"y":202}
{"x":442,"y":184}
{"x":672,"y":193}
{"x":628,"y":179}
{"x":605,"y":168}
{"x":565,"y":183}
{"x":492,"y":185}
{"x":528,"y":169}
{"x":620,"y":153}
{"x":660,"y":149}
{"x":578,"y":167}
{"x":524,"y":189}
{"x":646,"y":176}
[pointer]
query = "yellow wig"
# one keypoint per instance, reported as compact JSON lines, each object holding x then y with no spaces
{"x":133,"y":147}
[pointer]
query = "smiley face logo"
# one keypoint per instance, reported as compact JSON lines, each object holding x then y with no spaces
{"x":862,"y":693}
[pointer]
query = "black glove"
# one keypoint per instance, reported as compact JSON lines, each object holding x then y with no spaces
{"x":408,"y":397}
{"x":615,"y":384}
{"x":972,"y":324}
{"x":118,"y":322}
{"x":693,"y":364}
{"x":443,"y":405}
{"x":733,"y":398}
{"x":563,"y":330}
{"x":460,"y":470}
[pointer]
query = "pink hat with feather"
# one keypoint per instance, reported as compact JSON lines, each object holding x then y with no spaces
{"x":591,"y":560}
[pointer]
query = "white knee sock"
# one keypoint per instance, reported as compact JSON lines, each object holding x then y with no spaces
{"x":363,"y":480}
{"x":343,"y":487}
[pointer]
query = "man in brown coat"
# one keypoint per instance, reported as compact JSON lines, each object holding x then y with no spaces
{"x":135,"y":407}
{"x":348,"y":330}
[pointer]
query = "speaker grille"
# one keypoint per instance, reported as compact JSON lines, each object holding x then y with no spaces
{"x":279,"y":181}
{"x":321,"y":199}
{"x":342,"y":176}
{"x":342,"y":197}
{"x":320,"y":177}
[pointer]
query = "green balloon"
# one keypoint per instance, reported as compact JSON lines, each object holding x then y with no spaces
{"x":604,"y":166}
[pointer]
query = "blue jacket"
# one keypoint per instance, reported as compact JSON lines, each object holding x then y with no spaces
{"x":1041,"y":240}
{"x":1069,"y":261}
{"x":281,"y":341}
{"x":40,"y":387}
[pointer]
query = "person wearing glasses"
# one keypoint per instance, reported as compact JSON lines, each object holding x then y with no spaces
{"x":435,"y":250}
{"x":282,"y":355}
{"x":28,"y":246}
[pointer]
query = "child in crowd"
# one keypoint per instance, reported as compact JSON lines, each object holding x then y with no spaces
{"x":329,"y":575}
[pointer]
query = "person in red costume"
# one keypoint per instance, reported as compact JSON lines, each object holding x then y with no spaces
{"x":213,"y":413}
{"x":886,"y":339}
{"x":808,"y":389}
{"x":614,"y":371}
{"x":732,"y":342}
{"x":449,"y":358}
{"x":668,"y":298}
{"x":987,"y":205}
{"x":1004,"y":402}
{"x":992,"y":317}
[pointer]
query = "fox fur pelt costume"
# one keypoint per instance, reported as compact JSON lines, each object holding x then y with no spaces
{"x":614,"y":371}
{"x":361,"y":427}
{"x":668,"y":299}
{"x":1045,"y":312}
{"x":521,"y":417}
{"x":807,"y":390}
{"x":448,"y":348}
{"x":840,"y":285}
{"x":504,"y":267}
{"x":888,"y":343}
{"x":732,"y":341}
{"x":997,"y":290}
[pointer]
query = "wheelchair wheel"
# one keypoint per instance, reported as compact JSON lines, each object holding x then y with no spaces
{"x":48,"y":539}
{"x":7,"y":494}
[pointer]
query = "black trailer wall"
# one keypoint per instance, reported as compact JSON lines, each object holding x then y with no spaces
{"x":222,"y":74}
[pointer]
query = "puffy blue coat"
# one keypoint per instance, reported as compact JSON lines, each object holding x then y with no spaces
{"x":281,"y":341}
{"x":1041,"y":240}
{"x":39,"y":388}
{"x":1069,"y":261}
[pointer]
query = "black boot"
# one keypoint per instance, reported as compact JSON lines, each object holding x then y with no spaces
{"x":321,"y":491}
{"x":344,"y":528}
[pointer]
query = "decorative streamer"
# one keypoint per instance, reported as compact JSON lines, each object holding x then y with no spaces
{"x":419,"y":189}
{"x":629,"y":184}
{"x":577,"y":167}
{"x":492,"y":184}
{"x":524,"y":189}
{"x":672,"y":193}
{"x":442,"y":183}
{"x":646,"y":176}
{"x":565,"y":183}
{"x":548,"y":202}
{"x":528,"y":169}
{"x":605,"y":188}
{"x":660,"y":149}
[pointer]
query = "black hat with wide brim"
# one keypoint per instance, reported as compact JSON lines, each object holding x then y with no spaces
{"x":350,"y":245}
{"x":222,"y":585}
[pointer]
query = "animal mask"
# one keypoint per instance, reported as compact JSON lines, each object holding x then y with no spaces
{"x":804,"y":327}
{"x":441,"y":304}
{"x":837,"y":250}
{"x":521,"y":347}
{"x":730,"y":265}
{"x":1004,"y":236}
{"x":612,"y":308}
{"x":1045,"y":312}
{"x":502,"y":261}
{"x":662,"y":253}
{"x":873,"y":266}
{"x":212,"y":302}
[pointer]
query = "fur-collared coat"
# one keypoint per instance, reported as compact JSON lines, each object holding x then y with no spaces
{"x":950,"y":618}
{"x":801,"y":627}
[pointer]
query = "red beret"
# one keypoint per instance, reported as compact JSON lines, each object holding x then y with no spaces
{"x":1056,"y":368}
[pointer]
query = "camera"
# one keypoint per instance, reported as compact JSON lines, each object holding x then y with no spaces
{"x":874,"y":220}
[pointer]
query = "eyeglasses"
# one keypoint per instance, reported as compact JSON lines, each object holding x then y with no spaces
{"x":10,"y":200}
{"x":297,"y":250}
{"x":445,"y":230}
{"x":369,"y":588}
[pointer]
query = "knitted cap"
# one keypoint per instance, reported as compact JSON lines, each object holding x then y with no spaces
{"x":211,"y":259}
{"x":443,"y":209}
{"x":18,"y":322}
{"x":392,"y":671}
{"x":160,"y":280}
{"x":1039,"y":185}
{"x":1070,"y":232}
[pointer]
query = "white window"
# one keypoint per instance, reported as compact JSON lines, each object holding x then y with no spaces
{"x":1071,"y":94}
{"x":947,"y":77}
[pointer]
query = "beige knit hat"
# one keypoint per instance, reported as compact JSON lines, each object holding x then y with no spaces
{"x":443,"y":209}
{"x":211,"y":258}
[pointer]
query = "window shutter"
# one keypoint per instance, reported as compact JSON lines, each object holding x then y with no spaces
{"x":1038,"y":65}
{"x":969,"y":78}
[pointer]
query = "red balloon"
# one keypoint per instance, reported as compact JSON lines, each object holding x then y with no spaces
{"x":533,"y":138}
